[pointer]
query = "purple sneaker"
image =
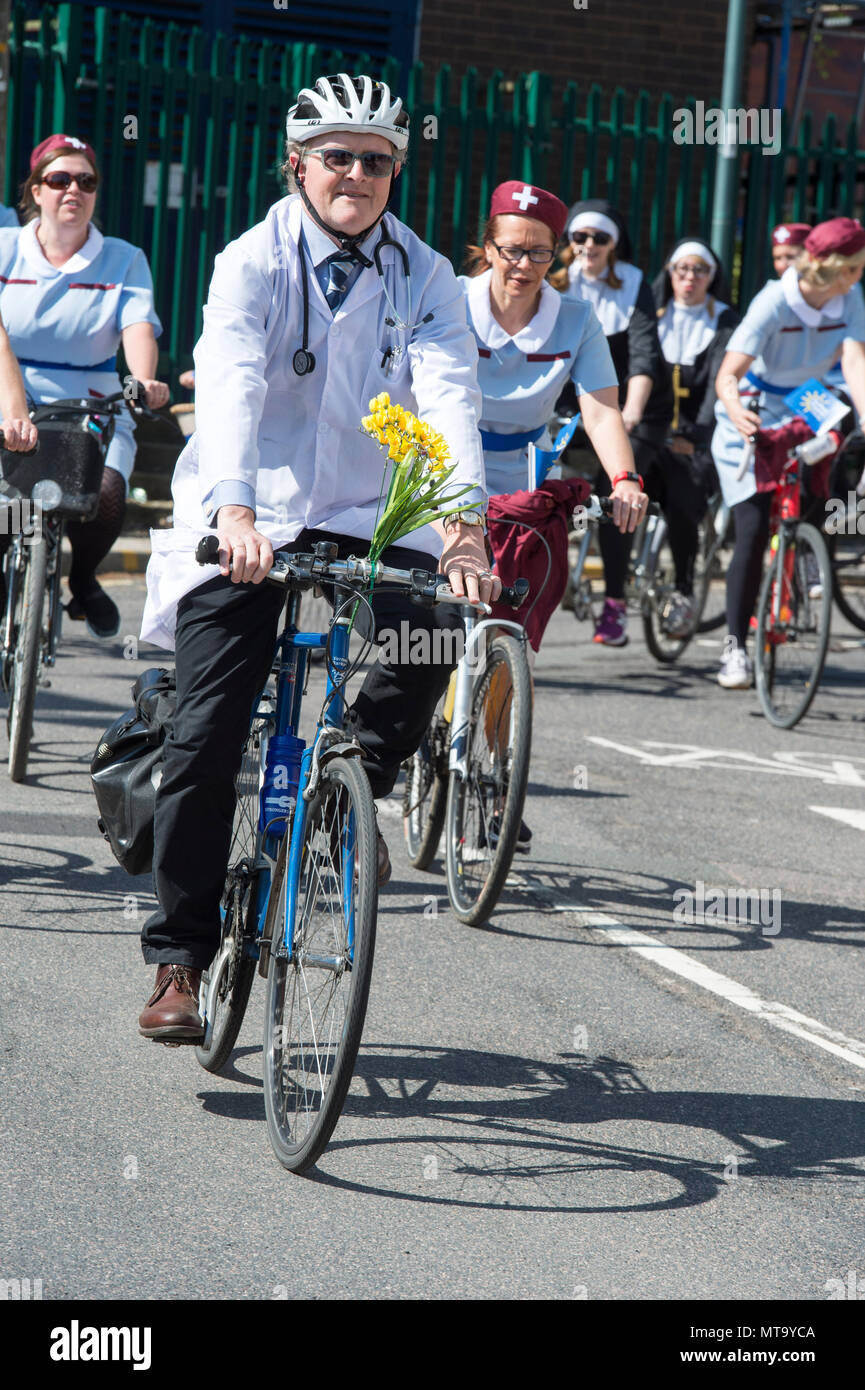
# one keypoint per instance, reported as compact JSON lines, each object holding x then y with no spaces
{"x":612,"y":630}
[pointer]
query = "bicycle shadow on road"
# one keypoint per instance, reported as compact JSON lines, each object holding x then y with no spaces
{"x":647,"y":902}
{"x":522,"y":1153}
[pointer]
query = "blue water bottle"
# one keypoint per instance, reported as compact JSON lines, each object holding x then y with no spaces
{"x":278,"y":795}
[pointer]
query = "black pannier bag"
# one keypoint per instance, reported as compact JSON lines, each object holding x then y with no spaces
{"x":68,"y":455}
{"x":127,"y":768}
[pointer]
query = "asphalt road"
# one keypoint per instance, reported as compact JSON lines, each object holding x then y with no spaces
{"x":590,"y":1098}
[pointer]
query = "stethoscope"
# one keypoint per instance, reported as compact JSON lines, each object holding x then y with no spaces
{"x":303,"y":360}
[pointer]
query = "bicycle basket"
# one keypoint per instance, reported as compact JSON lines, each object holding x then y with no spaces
{"x":68,"y":456}
{"x":127,"y":768}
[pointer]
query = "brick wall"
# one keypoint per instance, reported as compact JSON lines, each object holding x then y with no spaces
{"x":673,"y":46}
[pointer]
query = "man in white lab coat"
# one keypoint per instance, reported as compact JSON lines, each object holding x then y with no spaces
{"x":301,"y":328}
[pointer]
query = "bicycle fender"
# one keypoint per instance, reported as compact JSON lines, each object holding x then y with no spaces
{"x":346,"y":748}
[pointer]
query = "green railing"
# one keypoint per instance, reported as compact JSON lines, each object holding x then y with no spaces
{"x":189,"y":137}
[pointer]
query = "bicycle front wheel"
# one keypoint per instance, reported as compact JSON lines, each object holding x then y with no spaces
{"x":713,"y":542}
{"x":484,"y":808}
{"x":226,"y":984}
{"x":26,"y":644}
{"x":655,"y":605}
{"x":317,"y":995}
{"x":793,"y":627}
{"x":848,"y":572}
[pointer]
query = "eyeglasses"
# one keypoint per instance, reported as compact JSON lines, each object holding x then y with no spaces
{"x":538,"y":255}
{"x":599,"y":238}
{"x":374,"y":165}
{"x":61,"y":178}
{"x":698,"y":271}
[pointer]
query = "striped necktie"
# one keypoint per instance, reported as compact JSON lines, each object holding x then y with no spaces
{"x":339,"y":268}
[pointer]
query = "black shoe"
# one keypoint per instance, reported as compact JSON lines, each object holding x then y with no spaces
{"x":94,"y":607}
{"x":524,"y":836}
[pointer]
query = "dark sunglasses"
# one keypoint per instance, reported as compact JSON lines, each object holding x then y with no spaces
{"x":599,"y":238}
{"x":60,"y":178}
{"x":374,"y":165}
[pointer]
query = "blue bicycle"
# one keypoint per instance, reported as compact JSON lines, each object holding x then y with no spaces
{"x":301,"y":890}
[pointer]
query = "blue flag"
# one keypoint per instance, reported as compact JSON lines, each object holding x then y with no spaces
{"x":817,"y":406}
{"x":542,"y":460}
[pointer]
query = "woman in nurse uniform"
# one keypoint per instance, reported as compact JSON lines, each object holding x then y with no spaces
{"x":793,"y":330}
{"x":69,"y":297}
{"x":532,"y":342}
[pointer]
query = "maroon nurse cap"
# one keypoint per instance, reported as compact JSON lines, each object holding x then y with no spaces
{"x":527,"y":200}
{"x":841,"y":236}
{"x":61,"y":142}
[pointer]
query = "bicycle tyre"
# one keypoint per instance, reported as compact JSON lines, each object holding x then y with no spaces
{"x":425,"y":795}
{"x":657,"y":586}
{"x":473,"y":897}
{"x":301,"y":1116}
{"x":27,"y":636}
{"x":766,"y":647}
{"x":228,"y":979}
{"x":712,"y":567}
{"x":843,"y":572}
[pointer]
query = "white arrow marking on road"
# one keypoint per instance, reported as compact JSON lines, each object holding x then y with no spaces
{"x":777,"y":1015}
{"x":843,"y":772}
{"x":854,"y":818}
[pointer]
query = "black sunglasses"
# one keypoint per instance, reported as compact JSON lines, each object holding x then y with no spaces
{"x":599,"y":238}
{"x":60,"y":178}
{"x":374,"y":165}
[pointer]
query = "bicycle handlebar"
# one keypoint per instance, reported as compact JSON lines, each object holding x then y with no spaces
{"x":321,"y":566}
{"x":131,"y":396}
{"x":601,"y":508}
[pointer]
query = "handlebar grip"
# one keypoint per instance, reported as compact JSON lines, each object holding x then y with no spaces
{"x":207,"y":550}
{"x":25,"y":453}
{"x":516,"y":595}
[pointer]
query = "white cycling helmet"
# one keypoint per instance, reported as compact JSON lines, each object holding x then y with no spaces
{"x":344,"y":103}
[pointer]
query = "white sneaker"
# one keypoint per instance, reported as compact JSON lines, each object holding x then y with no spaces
{"x":737,"y":672}
{"x":679,"y":620}
{"x":812,"y":576}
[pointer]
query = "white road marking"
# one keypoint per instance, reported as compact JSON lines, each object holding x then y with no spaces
{"x":832,"y":771}
{"x":848,"y":817}
{"x":777,"y":1015}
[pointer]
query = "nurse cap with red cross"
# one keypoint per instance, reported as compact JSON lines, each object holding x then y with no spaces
{"x":527,"y":200}
{"x":63,"y":144}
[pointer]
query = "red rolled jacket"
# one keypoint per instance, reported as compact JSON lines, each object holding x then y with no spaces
{"x":528,"y":534}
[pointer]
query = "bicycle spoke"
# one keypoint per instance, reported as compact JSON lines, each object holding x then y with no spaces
{"x":319,"y":990}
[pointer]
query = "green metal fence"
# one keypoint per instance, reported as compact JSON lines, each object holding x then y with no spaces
{"x":189,"y":136}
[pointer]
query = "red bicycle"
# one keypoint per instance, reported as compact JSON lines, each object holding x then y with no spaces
{"x":795,"y":601}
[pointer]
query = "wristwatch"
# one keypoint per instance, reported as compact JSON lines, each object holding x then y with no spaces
{"x":470,"y":518}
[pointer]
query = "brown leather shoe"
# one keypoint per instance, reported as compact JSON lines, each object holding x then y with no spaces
{"x":171,"y":1013}
{"x":384,"y":865}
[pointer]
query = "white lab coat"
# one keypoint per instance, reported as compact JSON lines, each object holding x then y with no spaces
{"x":295,"y":441}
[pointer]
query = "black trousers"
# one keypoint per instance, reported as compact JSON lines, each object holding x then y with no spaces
{"x":752,"y":520}
{"x":678,"y":484}
{"x":224,"y":650}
